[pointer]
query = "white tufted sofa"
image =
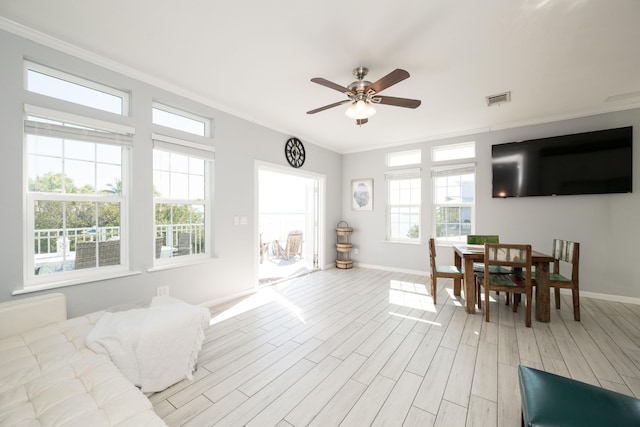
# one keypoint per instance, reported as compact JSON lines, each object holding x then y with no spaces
{"x":49,"y":378}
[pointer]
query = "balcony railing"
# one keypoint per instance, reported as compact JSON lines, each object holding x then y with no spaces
{"x":55,"y":249}
{"x":50,"y":241}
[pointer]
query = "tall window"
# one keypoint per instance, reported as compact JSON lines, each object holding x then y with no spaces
{"x":453,"y":192}
{"x":76,"y":196}
{"x":403,"y":196}
{"x":181,"y":176}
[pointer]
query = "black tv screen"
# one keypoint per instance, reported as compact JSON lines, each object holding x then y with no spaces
{"x":597,"y":162}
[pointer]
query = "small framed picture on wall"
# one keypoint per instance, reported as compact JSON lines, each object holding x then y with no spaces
{"x":362,"y":194}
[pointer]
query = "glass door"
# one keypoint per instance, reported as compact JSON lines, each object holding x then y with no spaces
{"x":288,"y":211}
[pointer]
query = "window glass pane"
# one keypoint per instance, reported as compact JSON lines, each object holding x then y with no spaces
{"x":84,"y":171}
{"x":467,"y":188}
{"x":453,"y":223}
{"x":181,"y":228}
{"x":465,"y":214}
{"x":81,"y":175}
{"x":79,"y":150}
{"x":45,"y":174}
{"x":196,"y":166}
{"x":109,"y":221}
{"x":66,"y":234}
{"x":183,"y":122}
{"x":44,"y":145}
{"x":179,"y":163}
{"x":453,"y":152}
{"x":404,"y":158}
{"x":109,"y":154}
{"x":196,"y":187}
{"x":49,"y":238}
{"x":73,"y":92}
{"x":161,"y":160}
{"x":161,"y":184}
{"x":108,"y":179}
{"x":179,"y":186}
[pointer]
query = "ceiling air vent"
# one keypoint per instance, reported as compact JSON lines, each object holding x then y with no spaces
{"x":498,"y":98}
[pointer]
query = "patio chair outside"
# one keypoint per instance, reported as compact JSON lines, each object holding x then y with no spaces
{"x":184,"y":244}
{"x":292,"y":247}
{"x":108,"y":254}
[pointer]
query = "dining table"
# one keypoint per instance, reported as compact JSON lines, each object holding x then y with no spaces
{"x":466,"y":255}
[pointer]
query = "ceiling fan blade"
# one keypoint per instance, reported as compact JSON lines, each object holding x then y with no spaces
{"x":390,"y":79}
{"x":332,"y":85}
{"x":398,"y":102}
{"x":360,"y":122}
{"x":326,"y":107}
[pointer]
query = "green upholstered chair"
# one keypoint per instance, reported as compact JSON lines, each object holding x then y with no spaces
{"x":516,"y":257}
{"x":552,"y":400}
{"x":481,"y":239}
{"x":438,"y":271}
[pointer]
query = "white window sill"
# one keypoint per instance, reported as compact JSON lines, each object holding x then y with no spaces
{"x":449,"y":244}
{"x":404,"y":242}
{"x":169,"y":265}
{"x":72,"y":282}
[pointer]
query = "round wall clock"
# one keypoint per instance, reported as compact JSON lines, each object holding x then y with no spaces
{"x":294,"y":151}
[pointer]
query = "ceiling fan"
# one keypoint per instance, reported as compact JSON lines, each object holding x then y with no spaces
{"x":363,"y":94}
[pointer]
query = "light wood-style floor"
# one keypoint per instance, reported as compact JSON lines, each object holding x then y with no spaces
{"x":365,"y":347}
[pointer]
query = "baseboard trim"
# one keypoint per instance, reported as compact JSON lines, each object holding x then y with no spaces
{"x":392,"y":269}
{"x":605,"y":297}
{"x":595,"y":295}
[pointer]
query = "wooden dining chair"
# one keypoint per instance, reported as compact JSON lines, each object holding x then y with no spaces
{"x":569,"y":252}
{"x":441,"y":271}
{"x":516,"y":257}
{"x":564,"y":251}
{"x":478,"y":267}
{"x":482,"y":239}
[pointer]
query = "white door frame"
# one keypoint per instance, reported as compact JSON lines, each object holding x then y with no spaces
{"x":258,"y":165}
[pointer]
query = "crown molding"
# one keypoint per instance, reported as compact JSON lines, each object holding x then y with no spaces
{"x":93,"y":58}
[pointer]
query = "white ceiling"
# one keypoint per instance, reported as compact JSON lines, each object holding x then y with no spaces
{"x":255,"y":58}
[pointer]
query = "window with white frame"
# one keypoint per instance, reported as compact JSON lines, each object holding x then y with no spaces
{"x":57,"y":84}
{"x":403,"y":205}
{"x":403,"y":158}
{"x":76,"y":195}
{"x":453,"y":152}
{"x":453,"y":192}
{"x":181,"y":176}
{"x":184,"y":121}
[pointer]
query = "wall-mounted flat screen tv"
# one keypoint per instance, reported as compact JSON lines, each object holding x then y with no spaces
{"x":597,"y":162}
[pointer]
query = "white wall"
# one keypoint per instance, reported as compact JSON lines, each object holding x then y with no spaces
{"x":607,"y":226}
{"x":238,"y":143}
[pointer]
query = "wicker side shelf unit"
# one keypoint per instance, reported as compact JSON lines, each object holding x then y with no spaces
{"x":343,"y":245}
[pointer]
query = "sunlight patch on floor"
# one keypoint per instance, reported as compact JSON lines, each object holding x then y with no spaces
{"x":260,"y":298}
{"x":417,"y":319}
{"x":410,"y":294}
{"x":453,"y":298}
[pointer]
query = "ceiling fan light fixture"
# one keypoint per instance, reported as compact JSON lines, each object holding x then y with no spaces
{"x":360,"y":110}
